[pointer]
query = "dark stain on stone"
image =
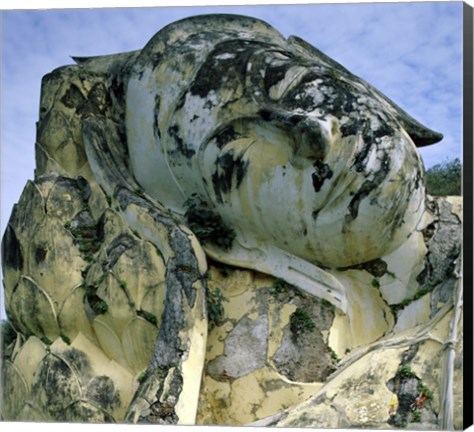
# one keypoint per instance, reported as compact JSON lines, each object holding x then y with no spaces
{"x":119,"y":246}
{"x":155,"y":59}
{"x":376,"y":268}
{"x":354,"y":125}
{"x":55,"y":384}
{"x":117,"y":87}
{"x":101,"y":391}
{"x":274,"y":74}
{"x":179,"y":105}
{"x":280,"y":117}
{"x":80,"y":410}
{"x":226,"y":135}
{"x":156,"y":127}
{"x":359,"y":163}
{"x":83,"y":185}
{"x":40,"y":254}
{"x":420,"y":178}
{"x":367,"y":187}
{"x":343,"y":103}
{"x":266,"y":114}
{"x":79,"y":361}
{"x":173,"y":132}
{"x":370,"y":137}
{"x":429,"y":231}
{"x":385,"y":129}
{"x":99,"y":97}
{"x":214,"y":70}
{"x":322,"y":172}
{"x":228,"y":168}
{"x":73,"y":98}
{"x":12,"y":256}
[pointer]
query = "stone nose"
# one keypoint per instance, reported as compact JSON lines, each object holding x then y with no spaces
{"x":309,"y":137}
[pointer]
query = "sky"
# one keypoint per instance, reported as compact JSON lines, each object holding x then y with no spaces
{"x":412,"y":52}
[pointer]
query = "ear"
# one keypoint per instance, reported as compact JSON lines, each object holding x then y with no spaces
{"x":420,"y":134}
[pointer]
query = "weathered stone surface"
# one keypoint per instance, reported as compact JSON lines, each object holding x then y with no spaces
{"x":244,"y":351}
{"x":81,"y":279}
{"x":334,"y":296}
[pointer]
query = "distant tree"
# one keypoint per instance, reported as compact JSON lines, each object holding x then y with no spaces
{"x":444,"y":178}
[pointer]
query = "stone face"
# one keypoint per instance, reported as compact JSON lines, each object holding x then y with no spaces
{"x":228,"y":227}
{"x":340,"y":153}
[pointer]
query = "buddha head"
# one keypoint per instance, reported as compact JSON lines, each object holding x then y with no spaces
{"x":284,"y":144}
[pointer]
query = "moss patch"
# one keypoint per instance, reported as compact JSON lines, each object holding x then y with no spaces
{"x":206,"y":224}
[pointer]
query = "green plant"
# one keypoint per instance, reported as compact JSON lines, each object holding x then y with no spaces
{"x":46,"y":341}
{"x":101,"y":279}
{"x":416,"y":416}
{"x":67,"y":225}
{"x":405,"y":371}
{"x":300,"y":321}
{"x":399,"y":306}
{"x":123,"y":284}
{"x":148,"y":316}
{"x":444,"y":178}
{"x":425,"y":391}
{"x":98,"y":305}
{"x":225,"y":270}
{"x":90,"y":289}
{"x":206,"y":224}
{"x":334,"y":356}
{"x":215,"y":308}
{"x":327,"y":305}
{"x":143,"y":376}
{"x":88,"y":258}
{"x":280,"y":286}
{"x":391,"y":274}
{"x":420,"y":293}
{"x":65,"y":339}
{"x":375,"y":283}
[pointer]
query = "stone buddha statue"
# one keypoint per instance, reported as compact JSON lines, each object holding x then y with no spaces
{"x":229,"y":227}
